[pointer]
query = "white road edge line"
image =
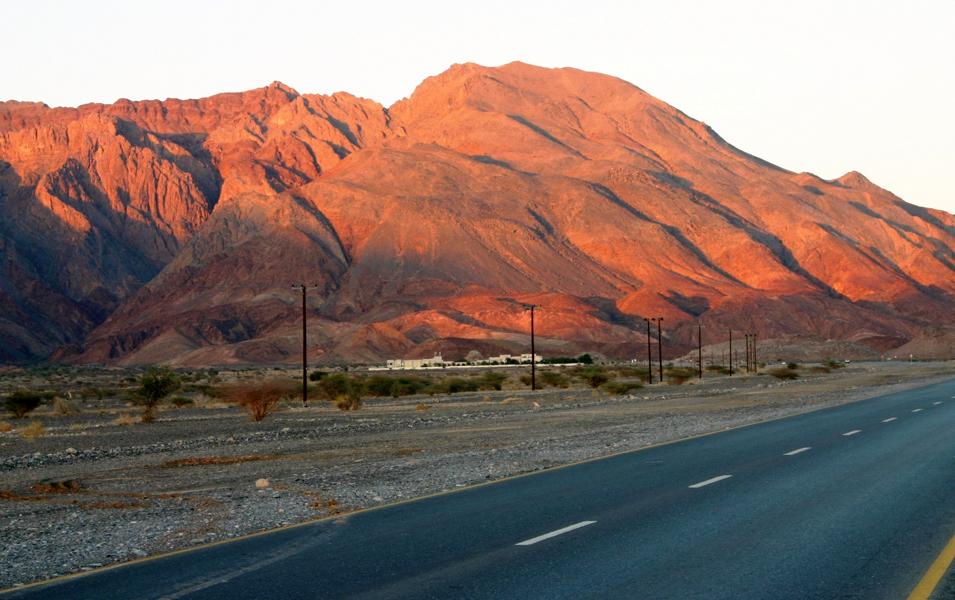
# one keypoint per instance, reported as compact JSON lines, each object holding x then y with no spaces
{"x":853,"y":432}
{"x":547,"y":536}
{"x":916,"y":410}
{"x":890,"y":419}
{"x":797,"y":451}
{"x":709,"y":481}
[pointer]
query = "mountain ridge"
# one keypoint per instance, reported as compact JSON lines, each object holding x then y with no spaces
{"x":428,"y":222}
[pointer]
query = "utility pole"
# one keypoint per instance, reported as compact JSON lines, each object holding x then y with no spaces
{"x":649,"y":355}
{"x":755,"y":364}
{"x":304,"y":288}
{"x":731,"y":352}
{"x":699,"y":341}
{"x":747,"y":353}
{"x":660,"y":346}
{"x":531,"y":308}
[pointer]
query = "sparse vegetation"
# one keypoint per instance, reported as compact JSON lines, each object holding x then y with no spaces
{"x":492,"y":380}
{"x":720,"y":369}
{"x":792,"y":366}
{"x":679,"y":375}
{"x":554,"y":379}
{"x":155,"y":384}
{"x":259,"y":399}
{"x":421,"y":407}
{"x":594,"y":376}
{"x":181,"y":401}
{"x":618,"y":388}
{"x":5,"y":426}
{"x":22,"y":402}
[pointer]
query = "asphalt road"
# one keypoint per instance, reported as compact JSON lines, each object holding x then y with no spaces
{"x":850,"y":502}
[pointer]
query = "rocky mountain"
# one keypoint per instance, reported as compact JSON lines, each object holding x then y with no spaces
{"x":173,"y":231}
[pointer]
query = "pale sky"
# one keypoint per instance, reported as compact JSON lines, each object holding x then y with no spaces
{"x":821,"y":86}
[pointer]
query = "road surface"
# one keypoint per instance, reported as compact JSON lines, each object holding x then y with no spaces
{"x":855,"y":501}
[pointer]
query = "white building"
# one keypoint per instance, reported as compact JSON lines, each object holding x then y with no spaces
{"x":415,"y":363}
{"x":505,"y":358}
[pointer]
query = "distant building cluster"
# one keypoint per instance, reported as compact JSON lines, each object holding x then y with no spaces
{"x":437,"y":362}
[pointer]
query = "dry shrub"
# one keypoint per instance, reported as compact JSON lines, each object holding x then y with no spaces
{"x":421,"y":407}
{"x":348,"y":402}
{"x":34,"y":430}
{"x":125,"y":419}
{"x":5,"y":426}
{"x":22,"y":402}
{"x":407,"y":451}
{"x":112,"y":505}
{"x":259,"y":399}
{"x":67,"y":486}
{"x":215,"y":460}
{"x":786,"y":373}
{"x":64,"y":407}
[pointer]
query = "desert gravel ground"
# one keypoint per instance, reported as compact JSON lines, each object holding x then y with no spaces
{"x":91,"y":492}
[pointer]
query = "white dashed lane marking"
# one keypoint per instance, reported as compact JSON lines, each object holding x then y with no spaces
{"x":797,"y":451}
{"x":916,"y":410}
{"x":853,"y":432}
{"x":889,"y":420}
{"x":547,"y":536}
{"x":709,"y":481}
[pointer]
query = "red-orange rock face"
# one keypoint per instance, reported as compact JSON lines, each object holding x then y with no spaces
{"x":172,"y":231}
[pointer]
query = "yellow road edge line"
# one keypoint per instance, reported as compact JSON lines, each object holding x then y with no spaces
{"x":926,"y":587}
{"x":307,"y":522}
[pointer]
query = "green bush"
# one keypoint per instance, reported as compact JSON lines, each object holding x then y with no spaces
{"x":782,"y":373}
{"x":585,"y":359}
{"x":380,"y":385}
{"x":346,"y":392}
{"x":594,"y":376}
{"x":621,"y":387}
{"x":155,"y":384}
{"x":456,"y":385}
{"x":554,"y":379}
{"x":181,"y":401}
{"x":835,"y":364}
{"x":792,"y":366}
{"x":316,"y":375}
{"x":679,"y":375}
{"x":720,"y":369}
{"x":22,"y":402}
{"x":492,"y":380}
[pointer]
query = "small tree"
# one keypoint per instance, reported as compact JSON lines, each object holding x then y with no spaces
{"x":260,"y":399}
{"x":155,"y":384}
{"x":22,"y":402}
